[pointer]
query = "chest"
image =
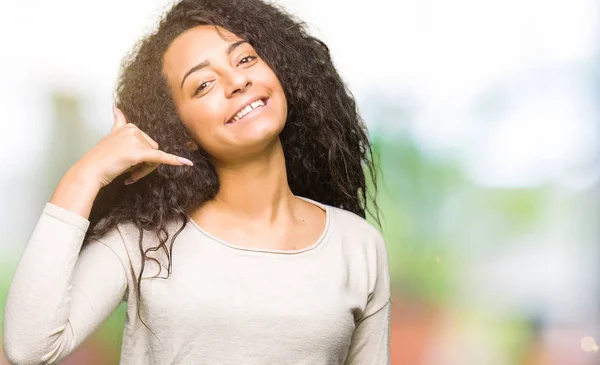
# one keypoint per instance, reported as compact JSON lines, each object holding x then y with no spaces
{"x":253,"y":301}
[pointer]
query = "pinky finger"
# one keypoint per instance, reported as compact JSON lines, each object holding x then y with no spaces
{"x":140,"y":173}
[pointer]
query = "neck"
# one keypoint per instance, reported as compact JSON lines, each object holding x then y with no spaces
{"x":256,"y":188}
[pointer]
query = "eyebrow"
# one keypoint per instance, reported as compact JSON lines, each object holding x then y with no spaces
{"x":203,"y":64}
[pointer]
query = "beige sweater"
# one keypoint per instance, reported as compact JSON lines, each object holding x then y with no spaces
{"x":222,"y":304}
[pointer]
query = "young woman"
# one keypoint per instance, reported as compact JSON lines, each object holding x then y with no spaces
{"x":226,"y":206}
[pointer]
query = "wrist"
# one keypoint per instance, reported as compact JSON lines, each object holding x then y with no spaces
{"x":84,"y":178}
{"x":77,"y":191}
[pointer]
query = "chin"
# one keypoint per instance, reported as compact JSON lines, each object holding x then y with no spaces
{"x":261,"y":133}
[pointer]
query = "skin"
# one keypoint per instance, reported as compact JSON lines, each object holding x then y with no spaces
{"x":254,"y":207}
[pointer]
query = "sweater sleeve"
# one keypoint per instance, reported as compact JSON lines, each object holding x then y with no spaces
{"x":371,"y":338}
{"x":60,"y":293}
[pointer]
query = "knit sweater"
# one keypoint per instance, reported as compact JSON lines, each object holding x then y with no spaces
{"x":328,"y":303}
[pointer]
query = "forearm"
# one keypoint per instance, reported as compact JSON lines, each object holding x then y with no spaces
{"x":76,"y":191}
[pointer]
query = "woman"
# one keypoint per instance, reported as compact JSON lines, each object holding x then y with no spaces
{"x":226,"y":206}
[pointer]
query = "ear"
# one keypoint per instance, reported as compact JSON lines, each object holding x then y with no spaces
{"x":191,"y":145}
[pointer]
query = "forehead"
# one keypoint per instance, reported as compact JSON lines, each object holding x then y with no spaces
{"x":196,"y":45}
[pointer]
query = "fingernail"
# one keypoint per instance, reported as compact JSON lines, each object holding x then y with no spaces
{"x":129,"y":181}
{"x":185,"y":161}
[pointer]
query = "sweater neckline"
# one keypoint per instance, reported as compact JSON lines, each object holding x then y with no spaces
{"x":310,"y":247}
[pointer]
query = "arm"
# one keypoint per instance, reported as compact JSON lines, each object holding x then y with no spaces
{"x":60,"y":294}
{"x":371,"y":338}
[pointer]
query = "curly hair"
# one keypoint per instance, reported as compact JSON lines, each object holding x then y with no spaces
{"x":325,"y":142}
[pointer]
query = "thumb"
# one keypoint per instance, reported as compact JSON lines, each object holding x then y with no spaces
{"x":119,"y":118}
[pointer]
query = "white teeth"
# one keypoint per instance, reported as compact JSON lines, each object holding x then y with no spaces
{"x":248,"y":109}
{"x":257,"y":103}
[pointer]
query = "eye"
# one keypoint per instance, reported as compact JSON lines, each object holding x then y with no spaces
{"x":246,"y":59}
{"x":202,"y":86}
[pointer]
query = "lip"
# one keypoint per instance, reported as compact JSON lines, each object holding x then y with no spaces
{"x":245,"y":104}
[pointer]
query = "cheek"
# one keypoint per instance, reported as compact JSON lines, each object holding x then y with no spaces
{"x":269,"y":78}
{"x":283,"y":105}
{"x":280,"y":91}
{"x":202,"y":118}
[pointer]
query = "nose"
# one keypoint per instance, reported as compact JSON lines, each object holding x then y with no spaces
{"x":238,"y":82}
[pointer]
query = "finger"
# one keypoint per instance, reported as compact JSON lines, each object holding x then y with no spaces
{"x":150,"y":140}
{"x":161,"y":157}
{"x":141,"y":172}
{"x":119,"y":117}
{"x":131,"y":170}
{"x":134,"y":129}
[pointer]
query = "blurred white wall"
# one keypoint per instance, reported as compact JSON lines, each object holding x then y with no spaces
{"x":451,"y":62}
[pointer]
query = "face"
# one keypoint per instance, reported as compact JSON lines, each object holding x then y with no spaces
{"x":227,"y":97}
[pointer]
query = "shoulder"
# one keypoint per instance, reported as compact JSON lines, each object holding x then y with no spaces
{"x":128,"y":234}
{"x":352,"y":225}
{"x":130,"y":244}
{"x":113,"y":240}
{"x":365,"y":249}
{"x":358,"y":237}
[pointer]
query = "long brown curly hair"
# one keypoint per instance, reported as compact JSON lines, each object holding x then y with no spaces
{"x":327,"y":151}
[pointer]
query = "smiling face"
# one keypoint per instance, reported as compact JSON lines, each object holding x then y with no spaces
{"x":227,"y":97}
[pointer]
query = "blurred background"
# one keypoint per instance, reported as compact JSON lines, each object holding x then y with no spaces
{"x":484,"y":115}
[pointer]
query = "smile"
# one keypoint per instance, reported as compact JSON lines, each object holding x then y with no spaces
{"x":248,"y":109}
